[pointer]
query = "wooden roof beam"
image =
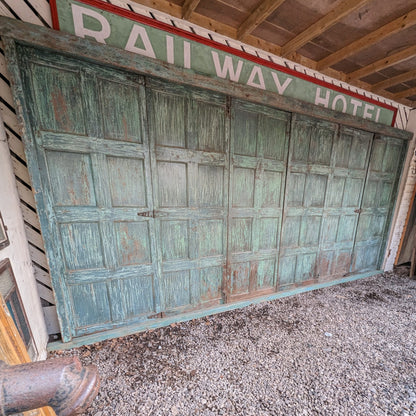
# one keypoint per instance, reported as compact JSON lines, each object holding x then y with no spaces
{"x":188,"y":8}
{"x":401,"y":23}
{"x":383,"y":63}
{"x":390,"y":82}
{"x":335,"y":15}
{"x":405,"y":94}
{"x":258,"y":16}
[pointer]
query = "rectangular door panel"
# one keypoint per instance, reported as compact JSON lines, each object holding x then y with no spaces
{"x":93,"y":159}
{"x":190,"y":177}
{"x":349,"y":161}
{"x":377,"y":205}
{"x":259,"y":145}
{"x":310,"y":167}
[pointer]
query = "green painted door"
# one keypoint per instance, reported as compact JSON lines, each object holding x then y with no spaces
{"x":189,"y":132}
{"x":93,"y":157}
{"x":325,"y":183}
{"x":157,"y":199}
{"x":380,"y":191}
{"x":258,"y":164}
{"x":345,"y":187}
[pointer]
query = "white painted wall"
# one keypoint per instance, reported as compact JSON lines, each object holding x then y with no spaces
{"x":18,"y":251}
{"x":407,"y":185}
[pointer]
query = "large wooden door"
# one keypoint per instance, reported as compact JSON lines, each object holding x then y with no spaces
{"x":190,"y":135}
{"x":157,"y":199}
{"x":348,"y":168}
{"x":378,"y":201}
{"x":258,"y":165}
{"x":326,"y":176}
{"x":309,"y":170}
{"x":93,"y":158}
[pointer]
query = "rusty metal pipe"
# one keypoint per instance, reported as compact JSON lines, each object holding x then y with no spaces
{"x":61,"y":383}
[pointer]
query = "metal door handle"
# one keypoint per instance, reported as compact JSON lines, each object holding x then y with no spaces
{"x":358,"y":211}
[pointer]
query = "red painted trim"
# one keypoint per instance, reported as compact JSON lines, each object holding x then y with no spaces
{"x":54,"y":12}
{"x":394,"y":116}
{"x":197,"y":38}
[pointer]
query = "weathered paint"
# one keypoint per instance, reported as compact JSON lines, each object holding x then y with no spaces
{"x":379,"y":197}
{"x":259,"y":145}
{"x":170,"y":207}
{"x":115,"y":26}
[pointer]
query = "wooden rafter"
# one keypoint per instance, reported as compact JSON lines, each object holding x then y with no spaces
{"x":390,"y":82}
{"x":173,"y":9}
{"x":188,"y":8}
{"x":199,"y":19}
{"x":383,"y":63}
{"x":405,"y":93}
{"x":259,"y":15}
{"x":401,"y":23}
{"x":323,"y":24}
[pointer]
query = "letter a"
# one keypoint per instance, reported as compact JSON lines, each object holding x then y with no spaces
{"x":131,"y":43}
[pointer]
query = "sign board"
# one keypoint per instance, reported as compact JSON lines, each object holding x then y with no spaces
{"x":115,"y":26}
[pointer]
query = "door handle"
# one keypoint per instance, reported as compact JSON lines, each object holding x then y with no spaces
{"x":358,"y":211}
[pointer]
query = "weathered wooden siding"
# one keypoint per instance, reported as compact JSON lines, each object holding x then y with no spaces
{"x":38,"y":12}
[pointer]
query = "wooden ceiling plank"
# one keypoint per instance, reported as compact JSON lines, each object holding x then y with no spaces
{"x":209,"y":24}
{"x":163,"y":6}
{"x":323,"y":24}
{"x":390,"y":82}
{"x":259,"y":15}
{"x":383,"y":63}
{"x":401,"y":23}
{"x":188,"y":8}
{"x":175,"y":10}
{"x":405,"y":94}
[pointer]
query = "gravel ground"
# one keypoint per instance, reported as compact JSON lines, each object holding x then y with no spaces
{"x":345,"y":350}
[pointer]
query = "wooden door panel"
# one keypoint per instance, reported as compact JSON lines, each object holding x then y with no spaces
{"x":378,"y":200}
{"x":127,"y":181}
{"x":82,"y":245}
{"x":191,"y":192}
{"x":307,"y":194}
{"x":118,"y":102}
{"x":173,"y":184}
{"x":133,"y":243}
{"x":94,"y":163}
{"x":71,"y":178}
{"x":91,"y":305}
{"x":208,"y":133}
{"x":259,"y":152}
{"x":58,"y":99}
{"x":210,"y":186}
{"x":346,"y":181}
{"x":131,"y":297}
{"x":175,"y":241}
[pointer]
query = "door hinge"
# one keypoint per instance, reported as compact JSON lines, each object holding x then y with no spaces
{"x":147,"y":214}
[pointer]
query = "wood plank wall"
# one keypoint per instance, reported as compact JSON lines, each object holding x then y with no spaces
{"x":38,"y":12}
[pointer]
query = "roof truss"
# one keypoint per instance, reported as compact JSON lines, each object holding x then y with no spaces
{"x":258,"y":13}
